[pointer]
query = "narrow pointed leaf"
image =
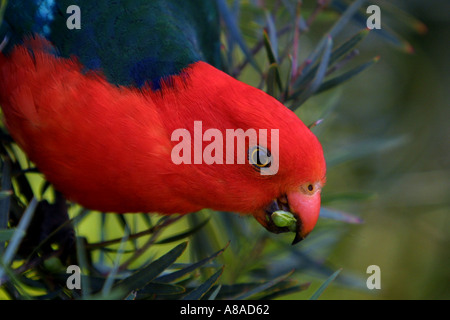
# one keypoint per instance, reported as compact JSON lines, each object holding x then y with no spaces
{"x":273,"y":85}
{"x":82,"y":258}
{"x":329,"y":84}
{"x":385,"y":33}
{"x":3,"y":4}
{"x":269,"y":48}
{"x":110,"y":279}
{"x":215,"y":292}
{"x":74,"y":221}
{"x":201,"y":290}
{"x":5,"y":201}
{"x":230,"y":291}
{"x":274,"y":68}
{"x":360,"y":149}
{"x":113,"y":295}
{"x":18,"y":235}
{"x":163,"y":221}
{"x":325,"y":285}
{"x":315,"y":124}
{"x":285,"y":290}
{"x":403,"y":17}
{"x":231,"y":41}
{"x":347,"y":15}
{"x":287,"y":86}
{"x":143,"y":276}
{"x":263,"y":286}
{"x":336,"y":54}
{"x":348,"y":45}
{"x":123,"y":223}
{"x":335,"y":29}
{"x":102,"y":235}
{"x":233,"y":28}
{"x":180,"y":273}
{"x":183,"y":234}
{"x":131,"y":296}
{"x":147,"y":220}
{"x":16,"y":280}
{"x":272,"y":33}
{"x":155,"y":288}
{"x":339,"y":216}
{"x":320,"y":75}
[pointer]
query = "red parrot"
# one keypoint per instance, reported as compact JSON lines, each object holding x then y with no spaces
{"x":105,"y":141}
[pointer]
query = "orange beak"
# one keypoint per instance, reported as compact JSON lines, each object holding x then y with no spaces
{"x":306,"y":209}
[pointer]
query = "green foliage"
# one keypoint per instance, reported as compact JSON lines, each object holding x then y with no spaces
{"x":204,"y":255}
{"x":322,"y":288}
{"x":3,"y":4}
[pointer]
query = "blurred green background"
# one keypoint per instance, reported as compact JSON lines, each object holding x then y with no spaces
{"x":386,"y":136}
{"x":404,"y":97}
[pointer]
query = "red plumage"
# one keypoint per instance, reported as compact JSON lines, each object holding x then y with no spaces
{"x":109,"y":147}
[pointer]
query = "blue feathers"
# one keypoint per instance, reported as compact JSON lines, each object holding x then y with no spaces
{"x":132,"y":42}
{"x":44,"y":17}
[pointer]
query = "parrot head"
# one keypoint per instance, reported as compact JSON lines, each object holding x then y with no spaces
{"x":285,"y":166}
{"x":296,"y":186}
{"x":296,"y":190}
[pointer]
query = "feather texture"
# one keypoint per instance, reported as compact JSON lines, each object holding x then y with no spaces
{"x":132,"y":42}
{"x":96,"y":108}
{"x":101,"y":144}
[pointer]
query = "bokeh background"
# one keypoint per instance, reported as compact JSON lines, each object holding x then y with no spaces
{"x":405,"y":101}
{"x":386,"y":139}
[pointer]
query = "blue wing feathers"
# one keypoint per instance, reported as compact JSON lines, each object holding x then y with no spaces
{"x":132,"y":42}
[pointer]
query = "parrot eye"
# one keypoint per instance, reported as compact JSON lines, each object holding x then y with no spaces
{"x":259,"y":157}
{"x":310,"y":188}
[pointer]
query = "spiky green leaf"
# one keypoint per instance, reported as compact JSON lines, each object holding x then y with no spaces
{"x":325,"y":285}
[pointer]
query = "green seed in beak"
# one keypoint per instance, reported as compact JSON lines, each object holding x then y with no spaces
{"x":284,"y":219}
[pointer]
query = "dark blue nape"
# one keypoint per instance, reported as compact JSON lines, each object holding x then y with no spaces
{"x":132,"y":42}
{"x":152,"y":71}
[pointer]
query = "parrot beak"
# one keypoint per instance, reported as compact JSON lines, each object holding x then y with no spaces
{"x":305,"y":208}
